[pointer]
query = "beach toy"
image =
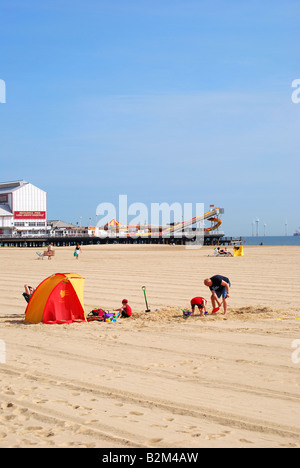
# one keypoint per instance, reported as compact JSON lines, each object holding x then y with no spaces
{"x":215,"y":310}
{"x":108,"y":317}
{"x":147,"y":308}
{"x":186,"y":313}
{"x":111,"y":316}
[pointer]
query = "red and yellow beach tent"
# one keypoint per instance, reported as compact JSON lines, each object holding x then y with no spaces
{"x":58,"y":299}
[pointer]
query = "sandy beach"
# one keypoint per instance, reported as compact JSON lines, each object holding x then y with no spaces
{"x":154,"y":380}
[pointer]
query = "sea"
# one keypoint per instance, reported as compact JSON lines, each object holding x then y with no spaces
{"x":271,"y":240}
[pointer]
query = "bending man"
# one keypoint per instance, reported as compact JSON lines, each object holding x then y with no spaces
{"x":219,"y":286}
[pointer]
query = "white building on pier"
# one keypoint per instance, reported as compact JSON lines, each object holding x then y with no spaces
{"x":23,"y":209}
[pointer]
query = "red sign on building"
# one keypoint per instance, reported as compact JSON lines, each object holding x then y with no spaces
{"x":30,"y":214}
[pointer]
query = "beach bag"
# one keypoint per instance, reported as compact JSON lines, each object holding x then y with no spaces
{"x":96,"y":315}
{"x":101,"y":315}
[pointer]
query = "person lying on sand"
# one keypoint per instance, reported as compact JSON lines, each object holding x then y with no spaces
{"x":224,"y":253}
{"x":227,"y":253}
{"x":219,"y":285}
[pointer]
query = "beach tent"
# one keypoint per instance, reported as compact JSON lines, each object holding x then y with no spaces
{"x":238,"y":251}
{"x":58,"y":299}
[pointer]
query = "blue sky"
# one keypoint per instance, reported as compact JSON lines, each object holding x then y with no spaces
{"x":165,"y":101}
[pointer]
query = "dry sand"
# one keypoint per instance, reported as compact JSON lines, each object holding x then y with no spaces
{"x":155,"y":380}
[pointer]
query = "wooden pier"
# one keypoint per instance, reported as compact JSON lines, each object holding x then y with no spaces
{"x":63,"y":241}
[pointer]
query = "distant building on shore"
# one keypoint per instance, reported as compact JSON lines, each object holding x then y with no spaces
{"x":58,"y":224}
{"x":60,"y":228}
{"x":23,"y":209}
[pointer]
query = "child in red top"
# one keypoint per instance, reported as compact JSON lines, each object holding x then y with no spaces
{"x":126,"y":309}
{"x":200,"y":302}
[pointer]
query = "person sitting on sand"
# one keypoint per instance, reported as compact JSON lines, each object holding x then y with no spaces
{"x":29,"y":290}
{"x":49,"y":252}
{"x":219,"y":285}
{"x":125,"y":310}
{"x":227,"y":253}
{"x":200,"y":302}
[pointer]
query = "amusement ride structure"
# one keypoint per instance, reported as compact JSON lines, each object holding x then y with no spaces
{"x":171,"y":230}
{"x":114,"y":232}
